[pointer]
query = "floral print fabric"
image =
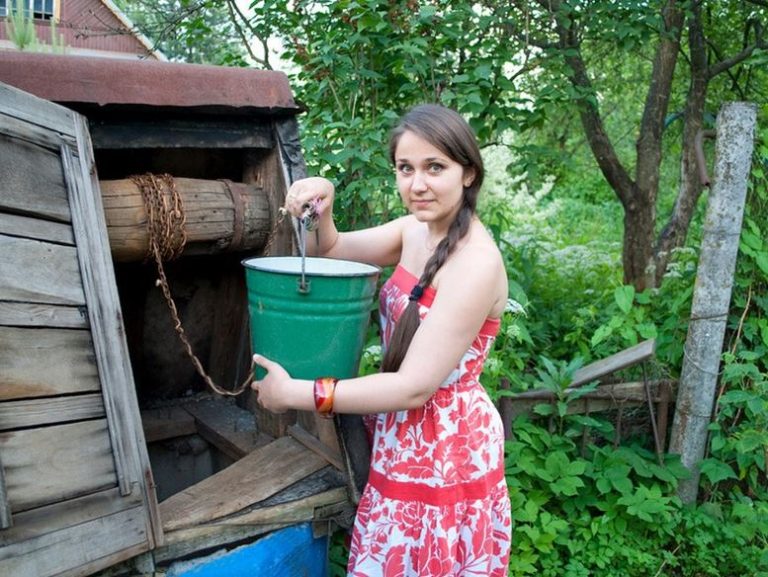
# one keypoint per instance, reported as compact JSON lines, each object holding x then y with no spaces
{"x":436,"y":503}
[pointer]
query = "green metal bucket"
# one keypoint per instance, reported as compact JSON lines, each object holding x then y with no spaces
{"x":313,"y":322}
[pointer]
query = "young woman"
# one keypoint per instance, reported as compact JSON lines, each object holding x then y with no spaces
{"x":436,"y":503}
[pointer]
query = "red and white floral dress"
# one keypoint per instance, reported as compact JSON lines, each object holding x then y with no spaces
{"x":436,"y":503}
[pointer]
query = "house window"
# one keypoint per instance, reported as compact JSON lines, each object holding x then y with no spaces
{"x":38,"y":9}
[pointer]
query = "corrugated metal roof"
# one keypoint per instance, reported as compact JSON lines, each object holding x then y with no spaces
{"x":107,"y":81}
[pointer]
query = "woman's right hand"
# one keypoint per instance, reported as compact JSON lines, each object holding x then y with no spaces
{"x":314,"y":191}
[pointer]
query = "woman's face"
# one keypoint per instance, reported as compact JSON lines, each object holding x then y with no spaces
{"x":431,"y":184}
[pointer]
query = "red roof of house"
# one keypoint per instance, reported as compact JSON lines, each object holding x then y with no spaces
{"x":106,"y":81}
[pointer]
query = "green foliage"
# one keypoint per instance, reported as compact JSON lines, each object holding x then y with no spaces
{"x":613,"y":511}
{"x":358,"y":64}
{"x":197,"y":31}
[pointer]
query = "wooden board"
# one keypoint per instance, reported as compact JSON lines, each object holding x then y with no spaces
{"x":330,"y":454}
{"x":50,"y":411}
{"x":35,"y":228}
{"x":51,"y":464}
{"x":604,"y":397}
{"x":228,"y":427}
{"x":79,"y":546}
{"x":32,"y":179}
{"x":627,"y":358}
{"x":46,"y":362}
{"x":35,"y":111}
{"x":167,"y":423}
{"x":182,"y":133}
{"x":251,"y":479}
{"x":42,"y":315}
{"x":39,"y":272}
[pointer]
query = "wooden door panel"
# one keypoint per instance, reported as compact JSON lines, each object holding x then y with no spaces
{"x":43,"y":362}
{"x":76,"y":491}
{"x":52,"y":464}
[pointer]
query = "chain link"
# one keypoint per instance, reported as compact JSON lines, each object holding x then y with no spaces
{"x":167,"y":236}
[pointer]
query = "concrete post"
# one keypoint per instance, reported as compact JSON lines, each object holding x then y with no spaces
{"x":712,"y":292}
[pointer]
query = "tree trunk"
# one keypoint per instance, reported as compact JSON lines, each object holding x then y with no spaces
{"x":640,"y":217}
{"x":675,"y":231}
{"x":639,"y":236}
{"x":638,"y":197}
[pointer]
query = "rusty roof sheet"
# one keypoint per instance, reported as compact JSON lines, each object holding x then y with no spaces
{"x":111,"y":81}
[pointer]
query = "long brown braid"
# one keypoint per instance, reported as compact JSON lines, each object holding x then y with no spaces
{"x":448,"y":131}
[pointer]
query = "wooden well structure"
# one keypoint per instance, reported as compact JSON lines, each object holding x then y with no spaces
{"x":114,"y":455}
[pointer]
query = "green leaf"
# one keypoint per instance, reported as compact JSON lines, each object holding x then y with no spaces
{"x":716,"y":470}
{"x":624,"y":296}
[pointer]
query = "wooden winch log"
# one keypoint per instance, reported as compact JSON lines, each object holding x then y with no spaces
{"x":221,"y":216}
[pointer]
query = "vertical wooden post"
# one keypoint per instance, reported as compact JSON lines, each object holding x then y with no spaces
{"x":712,"y":292}
{"x":5,"y":506}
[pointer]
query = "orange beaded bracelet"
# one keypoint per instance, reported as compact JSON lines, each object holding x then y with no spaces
{"x":324,"y":389}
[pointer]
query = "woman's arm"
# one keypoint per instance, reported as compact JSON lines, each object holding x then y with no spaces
{"x":469,"y":288}
{"x":380,"y":245}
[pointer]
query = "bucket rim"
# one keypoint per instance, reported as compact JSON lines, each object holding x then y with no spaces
{"x":365,"y":269}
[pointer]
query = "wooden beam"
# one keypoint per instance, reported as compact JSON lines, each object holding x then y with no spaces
{"x":251,"y":479}
{"x":599,"y":369}
{"x":229,"y":428}
{"x":314,"y":444}
{"x":167,"y":423}
{"x":238,"y":133}
{"x":603,"y":398}
{"x":5,"y":506}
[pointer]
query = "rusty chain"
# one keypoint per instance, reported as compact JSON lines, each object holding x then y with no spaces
{"x":167,"y":236}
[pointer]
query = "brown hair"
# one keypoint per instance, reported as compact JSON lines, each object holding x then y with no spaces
{"x":446,"y":130}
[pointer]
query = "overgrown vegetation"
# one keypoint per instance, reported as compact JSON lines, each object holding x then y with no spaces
{"x":587,"y":501}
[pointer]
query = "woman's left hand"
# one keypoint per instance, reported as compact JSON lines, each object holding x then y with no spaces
{"x":271,"y":391}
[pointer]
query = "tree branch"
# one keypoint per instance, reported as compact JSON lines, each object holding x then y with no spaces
{"x":234,"y":13}
{"x":599,"y":142}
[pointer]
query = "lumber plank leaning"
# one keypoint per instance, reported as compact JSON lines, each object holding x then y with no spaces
{"x":251,"y":479}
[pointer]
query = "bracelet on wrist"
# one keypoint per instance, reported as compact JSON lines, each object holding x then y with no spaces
{"x":324,"y":389}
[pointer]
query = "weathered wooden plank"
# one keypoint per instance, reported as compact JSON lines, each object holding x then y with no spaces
{"x":42,"y":315}
{"x":36,"y":228}
{"x":604,"y":397}
{"x":629,"y":357}
{"x":167,"y":423}
{"x":228,"y":427}
{"x":57,"y":516}
{"x":81,"y":547}
{"x":5,"y":505}
{"x":192,"y":541}
{"x":297,"y":511}
{"x":39,"y":272}
{"x":50,"y":411}
{"x":314,"y":444}
{"x":35,"y":111}
{"x":251,"y":479}
{"x":39,"y":135}
{"x":242,"y":133}
{"x":31,"y":181}
{"x":107,"y":330}
{"x":51,"y":464}
{"x":45,"y":362}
